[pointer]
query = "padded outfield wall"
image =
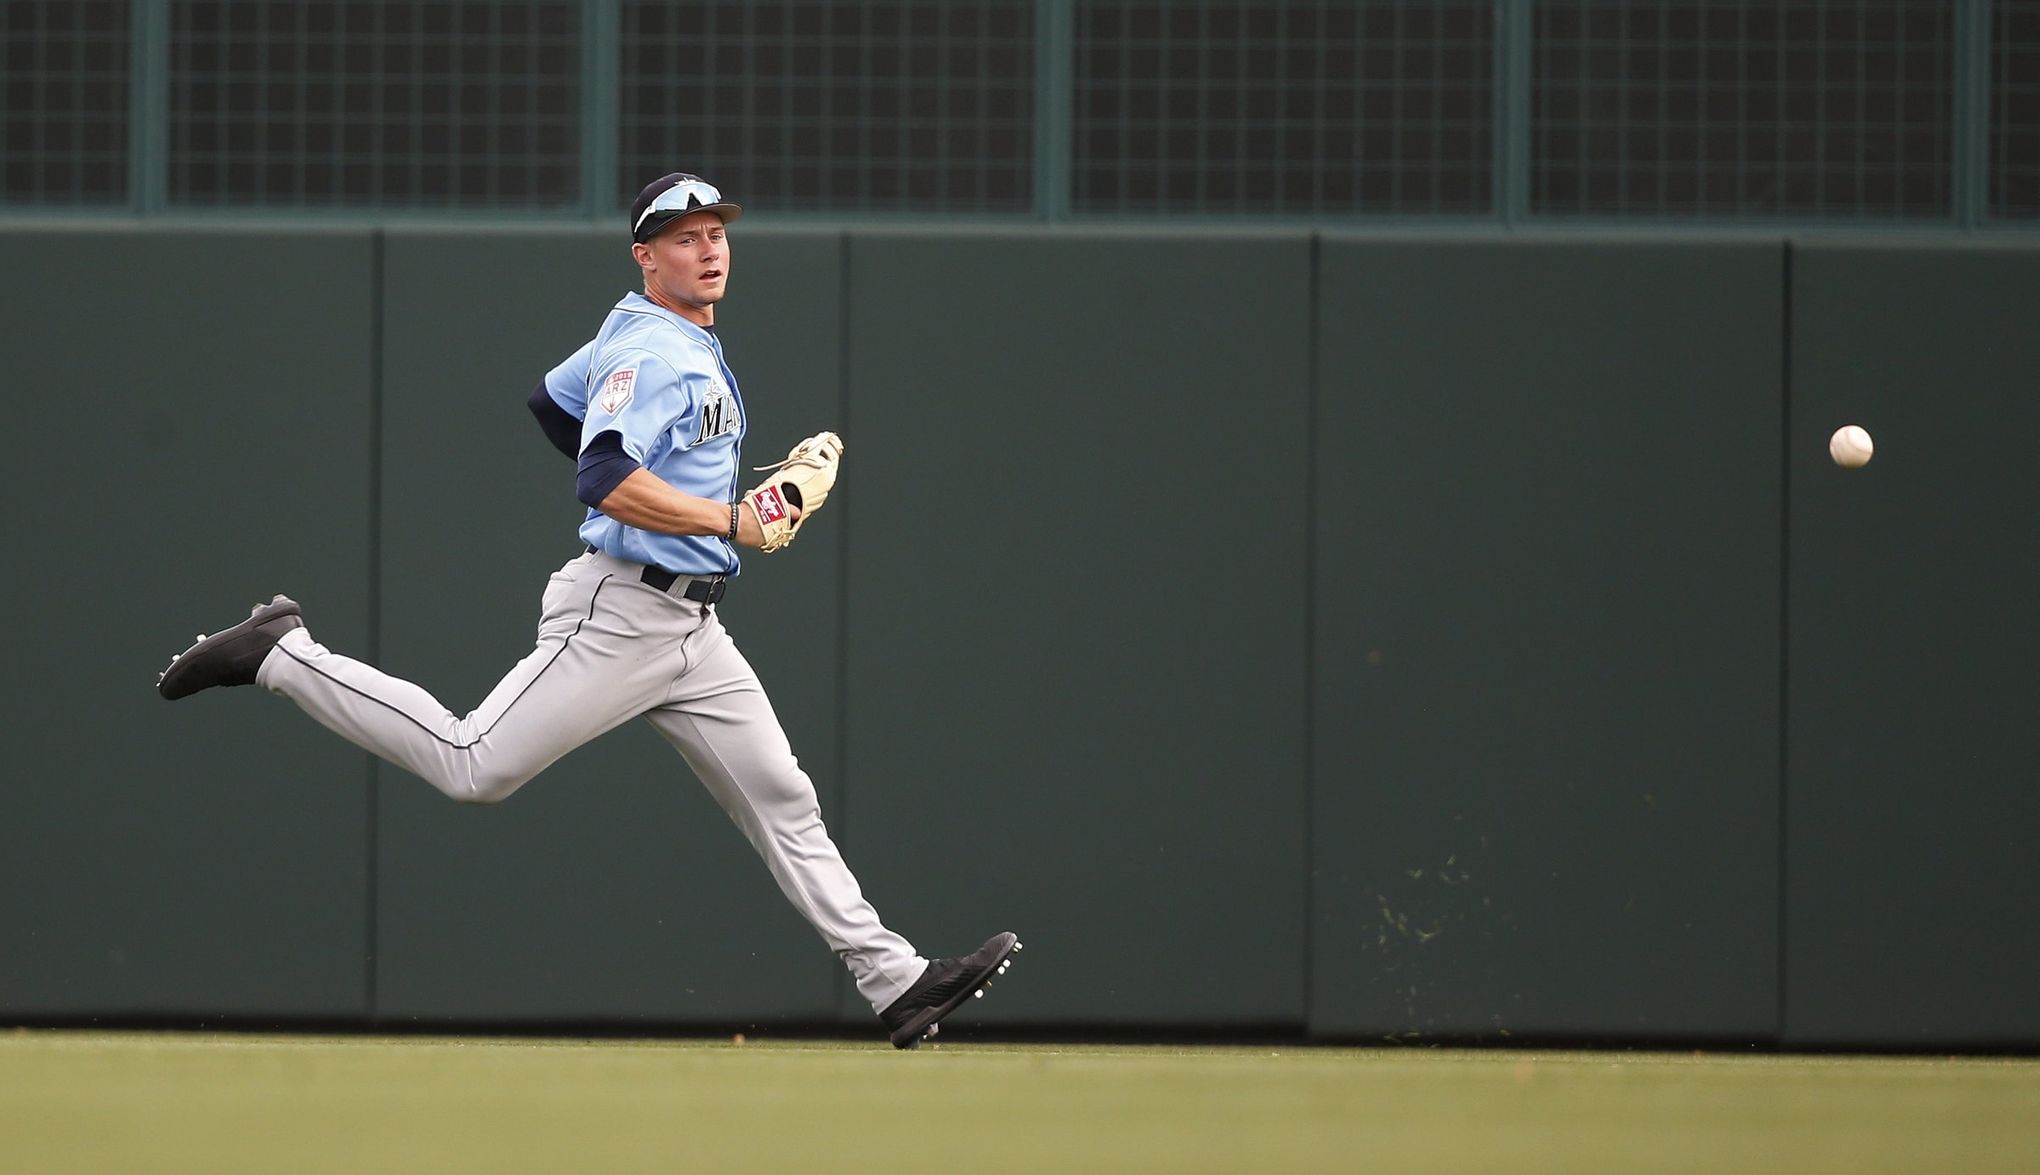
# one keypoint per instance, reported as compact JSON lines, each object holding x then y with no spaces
{"x":1415,"y":637}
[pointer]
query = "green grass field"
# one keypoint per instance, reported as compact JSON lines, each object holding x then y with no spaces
{"x":196,"y":1102}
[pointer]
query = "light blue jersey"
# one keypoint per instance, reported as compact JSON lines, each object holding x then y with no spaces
{"x":567,"y":384}
{"x":660,"y":383}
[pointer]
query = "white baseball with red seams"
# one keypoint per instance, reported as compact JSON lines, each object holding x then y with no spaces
{"x":1851,"y":446}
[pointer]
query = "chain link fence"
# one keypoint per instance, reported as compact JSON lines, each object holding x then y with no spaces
{"x":1838,"y":110}
{"x":1298,"y":109}
{"x":1912,"y":112}
{"x":283,"y":104}
{"x":2015,"y":111}
{"x":64,"y":103}
{"x":833,"y":108}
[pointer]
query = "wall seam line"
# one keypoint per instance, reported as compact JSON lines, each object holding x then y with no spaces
{"x":843,"y":985}
{"x":1784,"y":624}
{"x":372,"y":930}
{"x":1310,"y":476}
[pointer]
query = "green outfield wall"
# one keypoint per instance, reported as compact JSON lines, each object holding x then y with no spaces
{"x":1374,"y":635}
{"x":196,"y":431}
{"x":1913,"y":717}
{"x":1547,"y":638}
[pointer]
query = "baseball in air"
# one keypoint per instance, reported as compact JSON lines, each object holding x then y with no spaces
{"x":1850,"y":446}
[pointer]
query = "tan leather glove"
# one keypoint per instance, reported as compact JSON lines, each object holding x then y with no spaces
{"x":801,"y":482}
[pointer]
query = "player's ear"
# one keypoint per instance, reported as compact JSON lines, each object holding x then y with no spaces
{"x":643,"y":253}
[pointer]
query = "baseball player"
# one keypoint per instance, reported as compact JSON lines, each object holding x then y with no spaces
{"x":651,"y":414}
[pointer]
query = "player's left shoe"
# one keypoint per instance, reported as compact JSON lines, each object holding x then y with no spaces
{"x":942,"y":988}
{"x":231,"y":656}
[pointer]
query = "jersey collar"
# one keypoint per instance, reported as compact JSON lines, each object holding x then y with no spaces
{"x":637,"y":303}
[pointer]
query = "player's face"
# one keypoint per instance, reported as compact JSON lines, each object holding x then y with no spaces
{"x":689,"y":262}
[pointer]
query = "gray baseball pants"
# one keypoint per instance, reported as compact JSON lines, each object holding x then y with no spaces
{"x":612,"y":648}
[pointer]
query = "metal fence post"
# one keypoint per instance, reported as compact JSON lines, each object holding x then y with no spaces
{"x":1969,"y":187}
{"x":1512,"y":111}
{"x":149,"y":106}
{"x":1054,"y":49}
{"x":601,"y":41}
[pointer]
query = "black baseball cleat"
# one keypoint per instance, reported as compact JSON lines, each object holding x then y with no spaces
{"x":232,"y":656}
{"x":942,"y":987}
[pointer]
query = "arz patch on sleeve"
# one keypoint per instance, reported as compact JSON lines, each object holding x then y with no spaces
{"x":616,"y":390}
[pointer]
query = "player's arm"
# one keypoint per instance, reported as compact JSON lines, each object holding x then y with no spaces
{"x":648,"y":503}
{"x":612,"y":482}
{"x":561,"y":399}
{"x":562,"y":430}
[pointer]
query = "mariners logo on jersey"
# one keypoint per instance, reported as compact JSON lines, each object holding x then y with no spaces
{"x":718,"y":411}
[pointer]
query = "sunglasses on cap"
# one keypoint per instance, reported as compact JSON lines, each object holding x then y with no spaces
{"x":682,"y":198}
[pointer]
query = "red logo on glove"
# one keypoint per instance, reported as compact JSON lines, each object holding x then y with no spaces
{"x":769,"y":505}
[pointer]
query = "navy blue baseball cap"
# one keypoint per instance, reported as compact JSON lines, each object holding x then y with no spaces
{"x":673,"y":196}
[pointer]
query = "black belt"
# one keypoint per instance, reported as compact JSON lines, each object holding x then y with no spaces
{"x":705,"y":589}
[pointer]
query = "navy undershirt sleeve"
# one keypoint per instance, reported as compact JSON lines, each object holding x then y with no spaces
{"x":604,"y":465}
{"x":560,"y":427}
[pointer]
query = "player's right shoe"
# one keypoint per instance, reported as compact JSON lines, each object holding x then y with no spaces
{"x":232,"y":656}
{"x":943,"y":986}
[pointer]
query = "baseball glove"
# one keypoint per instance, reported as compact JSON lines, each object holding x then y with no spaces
{"x":801,"y":482}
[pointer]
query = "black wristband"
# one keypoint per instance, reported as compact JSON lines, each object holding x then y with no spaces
{"x":733,"y":523}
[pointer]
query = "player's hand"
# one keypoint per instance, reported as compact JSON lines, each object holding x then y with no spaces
{"x":750,"y":533}
{"x":797,"y":488}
